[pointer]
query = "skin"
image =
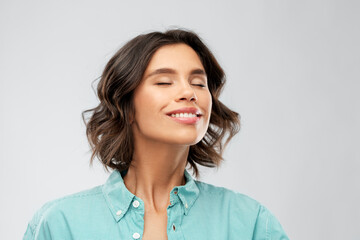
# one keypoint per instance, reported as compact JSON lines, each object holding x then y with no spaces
{"x":162,"y":144}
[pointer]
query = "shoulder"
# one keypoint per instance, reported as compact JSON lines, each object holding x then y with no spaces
{"x":69,"y":201}
{"x":226,"y":195}
{"x":59,"y":209}
{"x":243,"y":210}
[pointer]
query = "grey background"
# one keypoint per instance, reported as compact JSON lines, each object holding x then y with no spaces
{"x":293,"y":75}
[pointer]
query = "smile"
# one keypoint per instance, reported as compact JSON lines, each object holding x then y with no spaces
{"x":185,"y":118}
{"x":183,"y":115}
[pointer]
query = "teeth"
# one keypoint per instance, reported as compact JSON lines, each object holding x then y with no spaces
{"x":182,"y":115}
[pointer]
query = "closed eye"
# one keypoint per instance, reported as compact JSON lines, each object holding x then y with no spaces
{"x":163,"y":83}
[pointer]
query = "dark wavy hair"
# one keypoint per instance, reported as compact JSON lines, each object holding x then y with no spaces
{"x":108,"y":129}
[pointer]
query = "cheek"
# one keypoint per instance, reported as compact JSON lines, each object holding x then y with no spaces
{"x":147,"y":105}
{"x":207,"y":106}
{"x":206,"y":102}
{"x":210,"y":102}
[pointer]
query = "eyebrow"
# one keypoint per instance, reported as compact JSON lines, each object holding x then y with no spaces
{"x":197,"y":71}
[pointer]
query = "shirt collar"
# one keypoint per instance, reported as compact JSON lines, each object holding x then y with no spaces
{"x":119,"y":198}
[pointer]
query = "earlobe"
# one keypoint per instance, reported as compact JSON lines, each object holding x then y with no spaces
{"x":131,"y":116}
{"x":131,"y":119}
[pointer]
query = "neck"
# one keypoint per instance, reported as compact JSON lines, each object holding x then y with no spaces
{"x":156,"y":168}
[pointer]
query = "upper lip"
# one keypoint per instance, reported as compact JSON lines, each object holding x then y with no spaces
{"x":186,"y":110}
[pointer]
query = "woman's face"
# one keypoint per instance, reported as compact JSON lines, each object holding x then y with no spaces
{"x":173,"y":102}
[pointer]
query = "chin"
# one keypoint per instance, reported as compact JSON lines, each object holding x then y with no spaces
{"x":177,"y":137}
{"x":185,"y":140}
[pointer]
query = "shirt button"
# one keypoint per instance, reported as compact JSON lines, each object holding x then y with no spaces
{"x":136,"y":203}
{"x":136,"y":235}
{"x":118,"y":212}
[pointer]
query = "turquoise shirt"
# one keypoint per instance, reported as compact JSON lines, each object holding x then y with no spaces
{"x":197,"y":211}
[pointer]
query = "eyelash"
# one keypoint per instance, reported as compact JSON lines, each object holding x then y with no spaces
{"x":162,"y":83}
{"x":200,"y":85}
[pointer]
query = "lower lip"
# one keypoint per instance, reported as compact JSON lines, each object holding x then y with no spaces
{"x":185,"y":120}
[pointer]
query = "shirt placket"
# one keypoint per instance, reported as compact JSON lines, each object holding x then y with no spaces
{"x":133,"y":221}
{"x":175,"y":215}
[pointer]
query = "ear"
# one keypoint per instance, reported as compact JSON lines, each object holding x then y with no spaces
{"x":131,"y":118}
{"x":131,"y":113}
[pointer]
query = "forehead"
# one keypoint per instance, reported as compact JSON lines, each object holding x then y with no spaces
{"x":177,"y":56}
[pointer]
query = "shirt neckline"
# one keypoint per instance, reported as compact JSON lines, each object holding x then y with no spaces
{"x":119,"y":198}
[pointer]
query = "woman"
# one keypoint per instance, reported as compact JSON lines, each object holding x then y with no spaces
{"x":159,"y":111}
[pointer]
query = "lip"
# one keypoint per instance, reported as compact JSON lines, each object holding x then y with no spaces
{"x":186,"y":110}
{"x":186,"y":120}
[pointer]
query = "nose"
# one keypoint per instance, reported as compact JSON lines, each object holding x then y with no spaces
{"x":187,"y":93}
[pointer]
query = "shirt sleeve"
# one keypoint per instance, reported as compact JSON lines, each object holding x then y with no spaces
{"x":29,"y":234}
{"x":37,"y":228}
{"x":267,"y":227}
